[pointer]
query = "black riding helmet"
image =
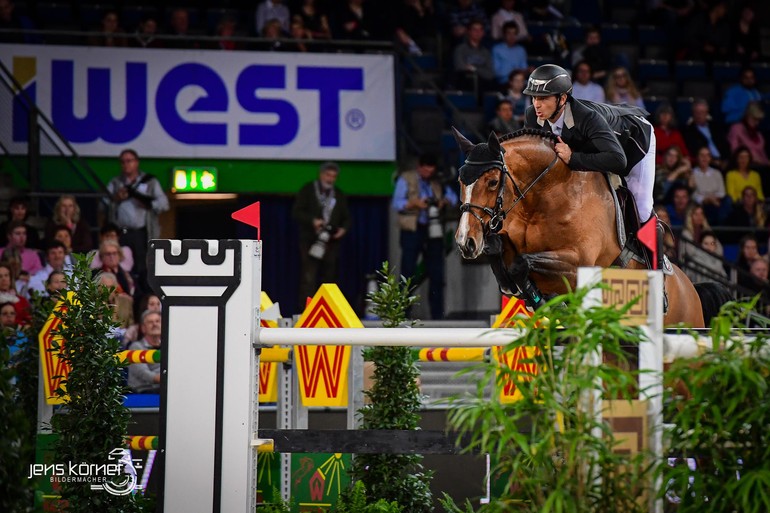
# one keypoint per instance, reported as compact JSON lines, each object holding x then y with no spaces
{"x":549,"y":80}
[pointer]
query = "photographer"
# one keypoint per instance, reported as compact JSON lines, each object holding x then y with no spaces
{"x":421,"y":200}
{"x":321,"y":210}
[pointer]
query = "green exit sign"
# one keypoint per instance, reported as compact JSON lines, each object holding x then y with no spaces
{"x":194,"y":179}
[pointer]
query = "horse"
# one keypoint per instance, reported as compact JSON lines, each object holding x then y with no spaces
{"x":538,"y":221}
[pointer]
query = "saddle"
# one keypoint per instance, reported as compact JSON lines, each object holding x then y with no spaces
{"x":627,"y":221}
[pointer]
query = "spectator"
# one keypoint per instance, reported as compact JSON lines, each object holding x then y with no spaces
{"x":746,"y":36}
{"x":146,"y":32}
{"x":674,"y":171}
{"x":55,"y":254}
{"x":56,"y":282}
{"x":705,"y":264}
{"x":758,"y":284}
{"x":702,"y":131}
{"x":10,"y":19}
{"x":583,"y":88}
{"x":180,"y":29}
{"x":738,"y":97}
{"x":669,"y":242}
{"x":314,"y":20}
{"x":272,"y":32}
{"x":708,"y":34}
{"x":621,"y":88}
{"x":137,"y":200}
{"x":680,"y":203}
{"x":8,"y":294}
{"x":420,"y":199}
{"x":107,"y":33}
{"x":596,"y":55}
{"x":16,"y":251}
{"x":517,"y":80}
{"x":225,"y":30}
{"x":272,"y":10}
{"x":354,"y":20}
{"x":504,"y":122}
{"x":666,"y":133}
{"x":708,"y":187}
{"x":743,"y":176}
{"x":321,"y":211}
{"x":18,"y":210}
{"x":145,"y":377}
{"x":462,"y":15}
{"x":62,"y":234}
{"x":505,"y":14}
{"x":7,"y":320}
{"x":746,"y":133}
{"x":111,"y":255}
{"x":695,"y":225}
{"x":416,"y":26}
{"x":748,"y":212}
{"x":66,"y":212}
{"x":748,"y":252}
{"x":122,"y":304}
{"x":508,"y":55}
{"x":473,"y":62}
{"x":148,"y":302}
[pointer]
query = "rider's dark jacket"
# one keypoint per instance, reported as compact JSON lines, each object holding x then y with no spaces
{"x":609,"y":138}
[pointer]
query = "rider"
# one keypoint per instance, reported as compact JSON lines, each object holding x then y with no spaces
{"x":594,"y":136}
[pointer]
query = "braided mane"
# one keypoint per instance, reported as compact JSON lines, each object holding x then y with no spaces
{"x":535,"y":132}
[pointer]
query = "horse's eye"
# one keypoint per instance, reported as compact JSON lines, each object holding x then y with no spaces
{"x":493,"y":184}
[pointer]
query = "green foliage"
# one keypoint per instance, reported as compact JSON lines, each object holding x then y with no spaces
{"x":93,"y":421}
{"x":559,"y":464}
{"x":279,"y":506}
{"x":354,"y":500}
{"x":18,"y":432}
{"x":395,"y":404}
{"x":720,"y":410}
{"x":450,"y":507}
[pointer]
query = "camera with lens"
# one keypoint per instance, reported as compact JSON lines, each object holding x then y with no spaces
{"x":318,"y":249}
{"x":435,"y":227}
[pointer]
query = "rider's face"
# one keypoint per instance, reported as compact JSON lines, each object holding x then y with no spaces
{"x":545,"y":106}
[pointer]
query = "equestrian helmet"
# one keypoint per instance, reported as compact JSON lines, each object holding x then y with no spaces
{"x":549,"y":80}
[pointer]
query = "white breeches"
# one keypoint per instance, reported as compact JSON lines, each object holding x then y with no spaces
{"x":641,"y":180}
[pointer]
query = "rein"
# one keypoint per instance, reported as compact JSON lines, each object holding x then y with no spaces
{"x":497,"y":215}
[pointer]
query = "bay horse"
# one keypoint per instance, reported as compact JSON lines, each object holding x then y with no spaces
{"x":538,"y":221}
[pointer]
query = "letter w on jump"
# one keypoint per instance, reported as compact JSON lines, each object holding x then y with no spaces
{"x":321,"y":367}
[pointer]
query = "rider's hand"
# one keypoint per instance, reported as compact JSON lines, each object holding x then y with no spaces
{"x":563,"y":151}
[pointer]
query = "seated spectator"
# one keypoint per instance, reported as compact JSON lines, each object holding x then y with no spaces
{"x":55,"y":257}
{"x":110,"y":231}
{"x":8,"y":295}
{"x":416,"y":26}
{"x":695,"y":225}
{"x":461,"y":16}
{"x":596,"y":55}
{"x":517,"y":80}
{"x":148,"y":302}
{"x":708,"y":34}
{"x":706,"y":264}
{"x":354,"y":20}
{"x":272,"y":10}
{"x":504,"y":122}
{"x":702,"y":131}
{"x":621,"y":88}
{"x":16,"y":250}
{"x":7,"y":318}
{"x":680,"y":204}
{"x":508,"y":55}
{"x":583,"y":88}
{"x":179,"y":27}
{"x":224,"y":31}
{"x":122,"y":304}
{"x":505,"y":14}
{"x":738,"y":97}
{"x":66,"y":212}
{"x":708,"y":186}
{"x":473,"y":62}
{"x":669,"y":242}
{"x":666,"y":133}
{"x":109,"y":27}
{"x":111,"y":255}
{"x":747,"y":43}
{"x":145,"y":34}
{"x":675,"y":170}
{"x":748,"y":251}
{"x":746,"y":133}
{"x":742,"y":176}
{"x":757,"y":283}
{"x":62,"y":234}
{"x":145,"y":377}
{"x":314,"y":20}
{"x":12,"y":19}
{"x":18,"y":210}
{"x":56,"y":282}
{"x":748,"y":212}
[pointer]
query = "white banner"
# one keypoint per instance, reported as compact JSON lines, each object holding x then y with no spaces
{"x":209,"y":103}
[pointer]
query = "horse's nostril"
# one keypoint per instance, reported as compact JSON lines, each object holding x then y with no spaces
{"x":470,"y":246}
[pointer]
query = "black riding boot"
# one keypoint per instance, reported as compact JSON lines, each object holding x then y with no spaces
{"x":661,"y":231}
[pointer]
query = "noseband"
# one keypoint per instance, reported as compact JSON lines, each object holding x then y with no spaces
{"x":497,"y":214}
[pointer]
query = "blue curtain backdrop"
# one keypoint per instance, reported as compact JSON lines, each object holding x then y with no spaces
{"x":363,"y":250}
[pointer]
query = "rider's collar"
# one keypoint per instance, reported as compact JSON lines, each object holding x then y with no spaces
{"x":569,"y":119}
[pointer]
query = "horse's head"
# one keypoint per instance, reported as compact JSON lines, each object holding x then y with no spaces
{"x":488,"y":190}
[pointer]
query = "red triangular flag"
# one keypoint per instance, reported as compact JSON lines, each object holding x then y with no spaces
{"x":648,"y":235}
{"x":248,"y":215}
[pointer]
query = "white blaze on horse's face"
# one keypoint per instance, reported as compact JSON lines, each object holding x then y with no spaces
{"x":463,"y":235}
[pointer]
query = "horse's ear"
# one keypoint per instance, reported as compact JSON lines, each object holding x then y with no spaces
{"x":493,"y":143}
{"x":464,"y":143}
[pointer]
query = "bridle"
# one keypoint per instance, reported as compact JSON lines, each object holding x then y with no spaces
{"x":497,"y":214}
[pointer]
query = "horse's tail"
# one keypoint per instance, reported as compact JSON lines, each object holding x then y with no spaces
{"x":712,"y":296}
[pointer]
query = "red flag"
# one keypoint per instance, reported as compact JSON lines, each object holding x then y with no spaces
{"x":249,"y":215}
{"x":648,"y":235}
